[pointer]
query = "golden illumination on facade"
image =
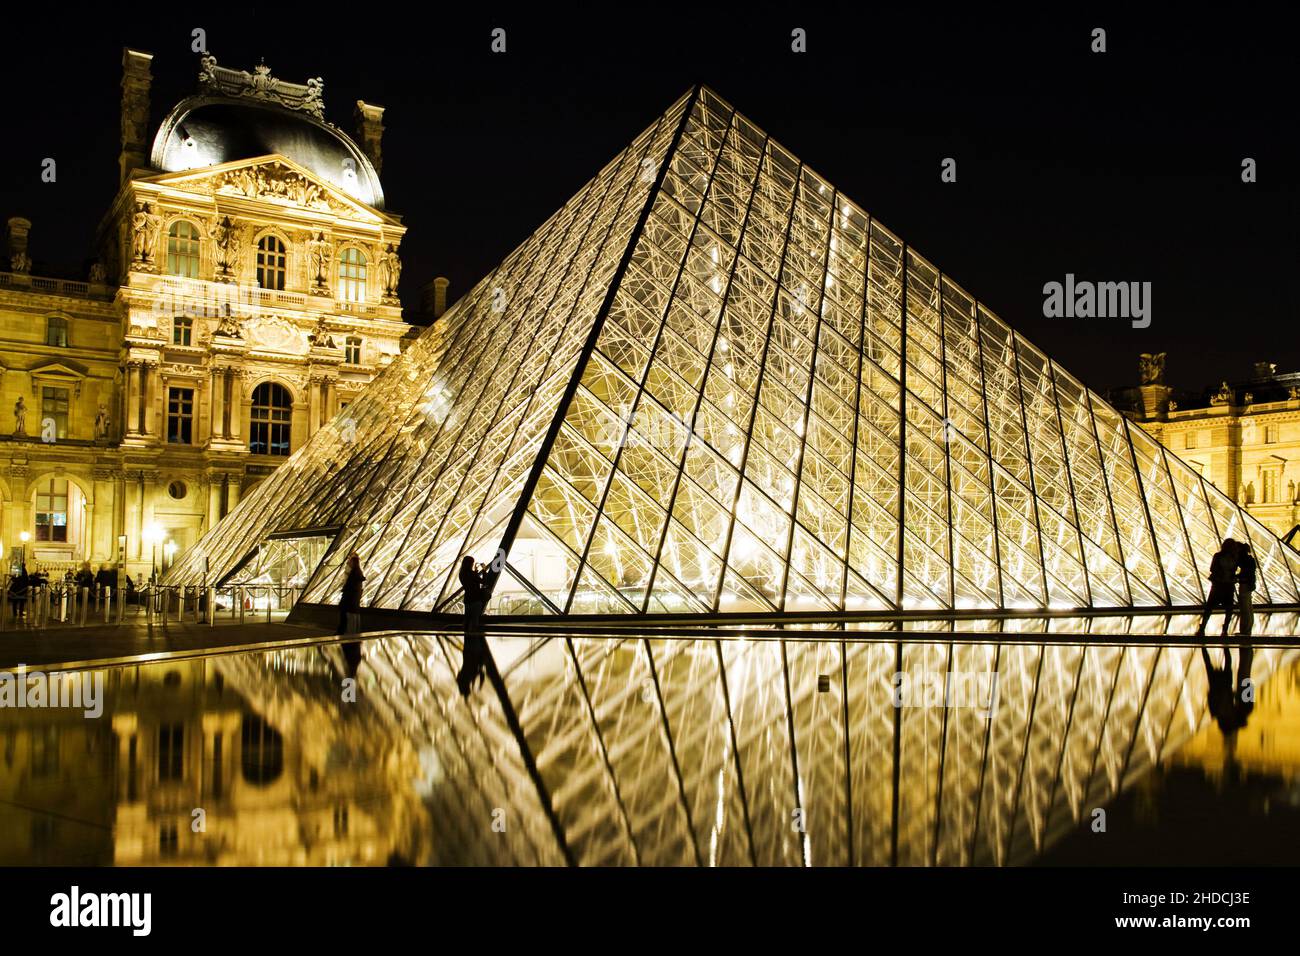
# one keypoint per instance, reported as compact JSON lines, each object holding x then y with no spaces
{"x":243,"y":294}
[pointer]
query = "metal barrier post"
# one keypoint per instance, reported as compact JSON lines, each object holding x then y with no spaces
{"x":239,"y":593}
{"x":268,"y":604}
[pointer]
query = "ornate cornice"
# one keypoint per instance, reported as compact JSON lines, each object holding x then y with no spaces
{"x":261,"y":85}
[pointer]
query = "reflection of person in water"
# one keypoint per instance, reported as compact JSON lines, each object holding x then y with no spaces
{"x":1230,"y":705}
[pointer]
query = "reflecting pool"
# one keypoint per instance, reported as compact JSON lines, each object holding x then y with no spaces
{"x":822,"y":748}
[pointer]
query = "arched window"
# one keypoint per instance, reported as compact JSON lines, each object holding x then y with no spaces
{"x":352,"y":275}
{"x":52,"y":510}
{"x":56,"y":331}
{"x":270,"y":263}
{"x":183,"y":249}
{"x":269,"y":422}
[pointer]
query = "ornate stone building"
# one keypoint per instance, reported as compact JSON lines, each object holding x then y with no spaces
{"x":1244,"y":436}
{"x":244,"y":290}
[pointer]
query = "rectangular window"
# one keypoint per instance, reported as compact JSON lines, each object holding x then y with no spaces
{"x":352,"y":350}
{"x":352,"y":275}
{"x":1270,"y":434}
{"x":180,"y":416}
{"x":56,"y":332}
{"x":1270,"y":487}
{"x":52,"y":511}
{"x":54,"y":405}
{"x":1189,"y":440}
{"x":182,"y":330}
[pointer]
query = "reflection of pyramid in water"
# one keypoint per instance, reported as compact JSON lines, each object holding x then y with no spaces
{"x":691,"y":390}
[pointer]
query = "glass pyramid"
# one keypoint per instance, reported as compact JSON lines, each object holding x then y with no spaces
{"x":712,"y":383}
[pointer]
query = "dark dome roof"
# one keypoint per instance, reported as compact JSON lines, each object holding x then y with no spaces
{"x":210,"y":130}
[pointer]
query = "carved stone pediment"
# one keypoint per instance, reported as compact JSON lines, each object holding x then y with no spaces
{"x":276,"y":334}
{"x":278,"y":183}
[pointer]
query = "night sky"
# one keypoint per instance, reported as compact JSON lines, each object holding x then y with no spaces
{"x":1123,"y":166}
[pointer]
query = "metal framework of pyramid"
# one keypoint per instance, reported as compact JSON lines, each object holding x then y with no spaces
{"x":711,"y":383}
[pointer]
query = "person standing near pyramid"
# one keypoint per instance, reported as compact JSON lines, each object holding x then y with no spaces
{"x":473,"y":660}
{"x":1223,"y":570}
{"x":1245,"y":588}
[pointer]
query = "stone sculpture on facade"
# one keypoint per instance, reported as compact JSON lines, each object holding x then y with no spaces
{"x":318,"y":253}
{"x":1151,"y":368}
{"x":144,"y":228}
{"x":225,"y":239}
{"x":390,"y":271}
{"x":20,"y":417}
{"x":101,"y":423}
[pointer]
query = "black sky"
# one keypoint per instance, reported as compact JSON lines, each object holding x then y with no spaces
{"x":1119,"y":166}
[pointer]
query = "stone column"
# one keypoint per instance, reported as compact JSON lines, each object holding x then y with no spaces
{"x":314,"y":409}
{"x":88,"y":530}
{"x":236,"y":403}
{"x":214,"y":500}
{"x":217,"y":400}
{"x":152,"y":388}
{"x":130,"y":421}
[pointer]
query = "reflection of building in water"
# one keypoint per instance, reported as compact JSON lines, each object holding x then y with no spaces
{"x":59,"y":760}
{"x":284,"y":773}
{"x":1267,"y":746}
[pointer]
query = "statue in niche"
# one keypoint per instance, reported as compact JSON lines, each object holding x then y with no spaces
{"x":144,"y":225}
{"x":101,"y":423}
{"x":225,"y":237}
{"x":20,"y":417}
{"x":390,"y":270}
{"x":1151,"y":368}
{"x":318,"y":253}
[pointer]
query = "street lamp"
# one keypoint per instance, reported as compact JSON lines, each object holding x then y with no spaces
{"x":152,"y":535}
{"x":24,"y":537}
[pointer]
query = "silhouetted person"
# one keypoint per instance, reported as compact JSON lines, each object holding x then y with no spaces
{"x":105,"y":579}
{"x":473,"y":578}
{"x":350,"y":602}
{"x":350,"y":613}
{"x":18,"y":593}
{"x":1245,"y":590}
{"x":1230,"y":705}
{"x":1223,"y":569}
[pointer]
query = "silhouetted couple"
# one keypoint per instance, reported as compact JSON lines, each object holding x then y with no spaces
{"x":1232,"y":568}
{"x":477,"y":580}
